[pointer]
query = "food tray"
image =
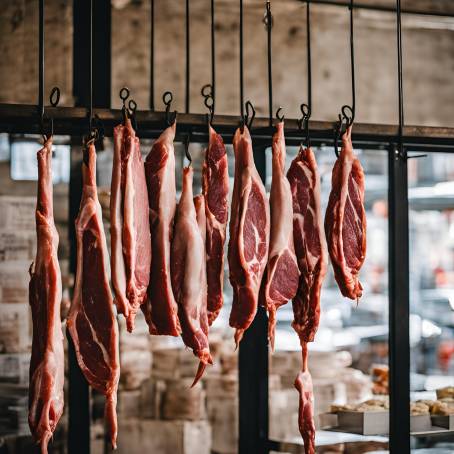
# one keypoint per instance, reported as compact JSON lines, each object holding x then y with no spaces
{"x":364,"y":423}
{"x":447,"y":422}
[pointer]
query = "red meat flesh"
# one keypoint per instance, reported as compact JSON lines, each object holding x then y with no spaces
{"x":130,"y":228}
{"x":160,"y":310}
{"x":249,"y":235}
{"x":91,"y":320}
{"x":303,"y":384}
{"x":215,"y":187}
{"x":45,"y":402}
{"x":345,"y":220}
{"x":282,"y":274}
{"x":188,"y":269}
{"x":310,"y":243}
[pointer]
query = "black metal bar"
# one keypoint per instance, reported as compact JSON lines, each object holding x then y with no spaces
{"x":213,"y":57}
{"x":352,"y":61}
{"x":269,"y":25}
{"x":188,"y":60}
{"x":384,"y":8}
{"x":399,"y":311}
{"x":152,"y":26}
{"x":41,"y":81}
{"x":309,"y":57}
{"x":241,"y":61}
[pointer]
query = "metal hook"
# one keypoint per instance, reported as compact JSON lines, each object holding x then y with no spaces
{"x":132,"y":107}
{"x":348,"y":116}
{"x":279,"y":115}
{"x":207,"y":93}
{"x":54,"y":99}
{"x":124,"y":95}
{"x":248,"y":118}
{"x":186,"y":148}
{"x":303,"y":124}
{"x":167,"y":99}
{"x":339,"y":131}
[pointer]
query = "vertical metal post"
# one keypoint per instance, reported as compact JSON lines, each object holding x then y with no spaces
{"x":399,"y":307}
{"x":152,"y":34}
{"x":253,"y":371}
{"x":188,"y":60}
{"x":79,"y":395}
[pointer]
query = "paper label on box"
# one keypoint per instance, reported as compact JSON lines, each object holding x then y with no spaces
{"x":17,"y":213}
{"x":19,"y":245}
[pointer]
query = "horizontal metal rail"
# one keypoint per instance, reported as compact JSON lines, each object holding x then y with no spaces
{"x":386,"y":8}
{"x":24,"y":119}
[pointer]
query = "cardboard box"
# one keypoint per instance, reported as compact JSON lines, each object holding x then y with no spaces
{"x":14,"y":328}
{"x":183,"y":402}
{"x":18,"y":213}
{"x":151,"y":396}
{"x":129,"y":403}
{"x":14,"y":280}
{"x":14,"y":368}
{"x":17,"y":245}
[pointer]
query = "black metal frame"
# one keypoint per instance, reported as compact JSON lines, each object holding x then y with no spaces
{"x":253,"y":354}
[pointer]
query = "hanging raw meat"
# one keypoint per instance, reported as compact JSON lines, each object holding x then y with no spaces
{"x":215,"y":186}
{"x":282,"y":274}
{"x":310,"y":243}
{"x":129,"y":224}
{"x":161,"y":312}
{"x":303,"y":384}
{"x":312,"y":255}
{"x":91,"y":321}
{"x":345,"y":220}
{"x":249,"y":235}
{"x":188,"y":269}
{"x":47,"y":360}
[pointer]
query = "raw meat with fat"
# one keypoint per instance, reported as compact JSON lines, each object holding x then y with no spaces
{"x":129,"y":224}
{"x":47,"y":363}
{"x":249,"y":235}
{"x":91,"y":320}
{"x":310,"y":243}
{"x":345,"y":220}
{"x":303,"y":384}
{"x":160,"y":310}
{"x":188,"y":269}
{"x":215,"y":187}
{"x":281,"y":276}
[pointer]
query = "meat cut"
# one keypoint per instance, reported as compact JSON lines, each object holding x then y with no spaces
{"x":91,"y":320}
{"x":345,"y":220}
{"x":188,"y":269}
{"x":249,"y":235}
{"x":312,"y":256}
{"x":129,"y":224}
{"x":310,"y":243}
{"x":215,"y":188}
{"x":282,"y":274}
{"x":303,"y":384}
{"x":45,"y":292}
{"x":160,"y":310}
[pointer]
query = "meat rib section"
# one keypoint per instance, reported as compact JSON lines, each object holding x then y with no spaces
{"x":45,"y":292}
{"x":282,"y":274}
{"x":129,"y":221}
{"x":160,"y":310}
{"x":345,"y":220}
{"x":91,"y":321}
{"x":215,"y":187}
{"x":303,"y":384}
{"x":249,"y":235}
{"x":312,"y":255}
{"x":188,"y":269}
{"x":310,"y":243}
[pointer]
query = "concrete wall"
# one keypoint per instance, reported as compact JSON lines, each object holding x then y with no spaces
{"x":428,"y":57}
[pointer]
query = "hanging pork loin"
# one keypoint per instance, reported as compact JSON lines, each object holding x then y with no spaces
{"x":312,"y":256}
{"x":161,"y":312}
{"x":45,"y":291}
{"x":282,"y":274}
{"x":91,"y":320}
{"x":215,"y":187}
{"x":129,"y":224}
{"x":188,"y":270}
{"x":345,"y":220}
{"x":249,"y":235}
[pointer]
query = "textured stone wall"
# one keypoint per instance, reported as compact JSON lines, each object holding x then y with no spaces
{"x":428,"y":56}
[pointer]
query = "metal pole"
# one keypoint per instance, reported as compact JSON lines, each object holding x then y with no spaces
{"x":152,"y":25}
{"x":188,"y":60}
{"x":241,"y":61}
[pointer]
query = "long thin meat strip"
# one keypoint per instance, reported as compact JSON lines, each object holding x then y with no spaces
{"x":91,"y":320}
{"x":310,"y":243}
{"x":249,"y":235}
{"x":312,"y":255}
{"x":188,"y":270}
{"x":215,"y":187}
{"x":303,"y":384}
{"x":130,"y":227}
{"x":282,"y":274}
{"x":45,"y":292}
{"x":345,"y":220}
{"x":160,"y":310}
